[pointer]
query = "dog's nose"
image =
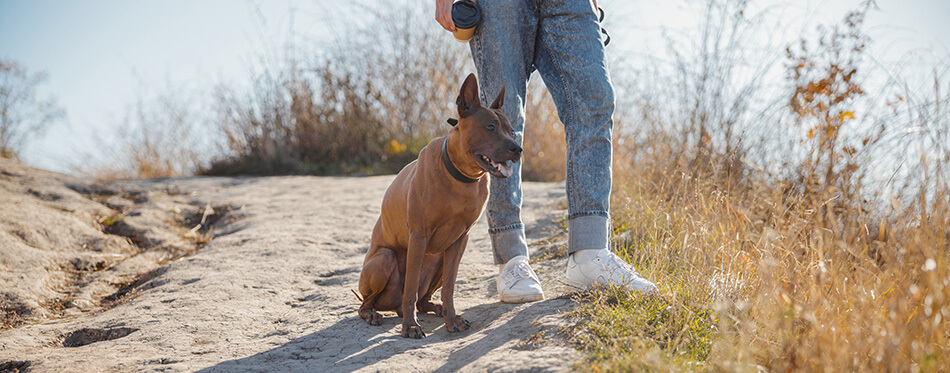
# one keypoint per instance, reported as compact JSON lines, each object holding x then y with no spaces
{"x":514,"y":148}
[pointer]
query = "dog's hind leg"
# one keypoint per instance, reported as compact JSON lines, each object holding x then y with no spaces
{"x":375,"y":285}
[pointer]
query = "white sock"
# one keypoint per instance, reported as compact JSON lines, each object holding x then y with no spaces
{"x":586,"y":255}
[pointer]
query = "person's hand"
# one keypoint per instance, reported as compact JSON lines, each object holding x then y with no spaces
{"x":595,"y":4}
{"x":443,"y":14}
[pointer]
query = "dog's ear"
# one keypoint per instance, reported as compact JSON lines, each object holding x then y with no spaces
{"x":500,"y":100}
{"x":468,"y":97}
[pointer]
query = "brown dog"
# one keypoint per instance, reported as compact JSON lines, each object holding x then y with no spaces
{"x":428,"y":211}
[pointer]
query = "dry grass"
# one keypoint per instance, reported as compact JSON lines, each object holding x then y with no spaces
{"x":809,"y":264}
{"x":758,"y":277}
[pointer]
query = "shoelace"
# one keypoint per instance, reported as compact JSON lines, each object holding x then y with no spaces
{"x":518,"y":272}
{"x":614,"y":263}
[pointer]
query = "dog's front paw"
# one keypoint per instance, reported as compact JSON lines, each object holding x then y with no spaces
{"x":413,"y":331}
{"x":456,"y":324}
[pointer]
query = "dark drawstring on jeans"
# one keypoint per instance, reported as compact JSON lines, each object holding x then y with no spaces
{"x":603,"y":30}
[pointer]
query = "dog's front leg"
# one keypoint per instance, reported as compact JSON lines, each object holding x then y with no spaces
{"x":410,"y":295}
{"x":453,"y":256}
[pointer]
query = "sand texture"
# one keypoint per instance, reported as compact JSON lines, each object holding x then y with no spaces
{"x":241,"y":274}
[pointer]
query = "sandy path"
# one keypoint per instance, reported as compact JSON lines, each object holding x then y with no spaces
{"x":272,"y":292}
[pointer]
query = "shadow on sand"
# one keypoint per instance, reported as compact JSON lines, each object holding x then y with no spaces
{"x":351,"y":344}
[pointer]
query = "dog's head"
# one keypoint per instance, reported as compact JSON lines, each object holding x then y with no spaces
{"x":486,"y":132}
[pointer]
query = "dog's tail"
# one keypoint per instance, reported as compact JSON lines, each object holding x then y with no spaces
{"x":357,"y":295}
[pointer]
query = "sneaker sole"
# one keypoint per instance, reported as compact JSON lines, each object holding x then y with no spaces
{"x":525,"y":298}
{"x":579,"y":286}
{"x":584,"y":287}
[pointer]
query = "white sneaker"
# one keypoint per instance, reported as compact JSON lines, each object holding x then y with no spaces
{"x":606,"y":269}
{"x":517,"y":282}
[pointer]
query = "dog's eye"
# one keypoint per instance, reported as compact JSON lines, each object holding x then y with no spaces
{"x":491,"y":128}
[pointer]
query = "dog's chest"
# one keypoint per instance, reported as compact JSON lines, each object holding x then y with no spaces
{"x":452,"y":224}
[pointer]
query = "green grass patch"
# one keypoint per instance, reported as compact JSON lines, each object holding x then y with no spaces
{"x":623,"y":330}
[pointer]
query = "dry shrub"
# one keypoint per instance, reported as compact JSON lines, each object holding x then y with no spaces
{"x":23,"y":115}
{"x":367,"y":104}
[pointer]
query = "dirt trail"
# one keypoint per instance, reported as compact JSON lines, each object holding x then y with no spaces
{"x":272,"y":292}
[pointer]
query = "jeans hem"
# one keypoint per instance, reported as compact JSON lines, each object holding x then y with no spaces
{"x":505,"y":228}
{"x":589,"y":230}
{"x":588,"y":213}
{"x":508,"y":242}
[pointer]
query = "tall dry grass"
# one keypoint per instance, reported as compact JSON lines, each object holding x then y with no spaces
{"x":804,"y":261}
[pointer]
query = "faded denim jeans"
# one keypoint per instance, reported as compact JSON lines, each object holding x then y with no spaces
{"x":561,"y":40}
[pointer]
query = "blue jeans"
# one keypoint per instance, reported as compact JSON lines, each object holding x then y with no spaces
{"x":561,"y":40}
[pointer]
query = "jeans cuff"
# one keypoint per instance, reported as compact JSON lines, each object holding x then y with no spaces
{"x":588,"y":231}
{"x":508,"y":242}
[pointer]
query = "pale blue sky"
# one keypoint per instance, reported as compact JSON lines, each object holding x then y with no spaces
{"x":100,"y":54}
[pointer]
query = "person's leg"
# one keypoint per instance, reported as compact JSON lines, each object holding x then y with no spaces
{"x":503,"y":51}
{"x":570,"y":58}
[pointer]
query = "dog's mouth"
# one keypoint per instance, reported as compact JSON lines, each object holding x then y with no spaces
{"x":497,"y":169}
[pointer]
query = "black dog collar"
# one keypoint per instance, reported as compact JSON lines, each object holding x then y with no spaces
{"x":451,"y":167}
